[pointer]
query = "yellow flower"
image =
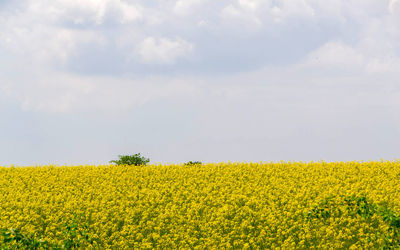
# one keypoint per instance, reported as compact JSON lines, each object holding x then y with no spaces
{"x":217,"y":205}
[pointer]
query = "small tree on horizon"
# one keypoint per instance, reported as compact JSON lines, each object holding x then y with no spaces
{"x":135,"y":159}
{"x":191,"y":163}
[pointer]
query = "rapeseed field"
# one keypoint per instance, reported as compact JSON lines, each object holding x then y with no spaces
{"x":214,"y":206}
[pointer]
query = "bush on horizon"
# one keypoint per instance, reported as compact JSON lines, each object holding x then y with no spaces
{"x":191,"y":163}
{"x":135,"y":159}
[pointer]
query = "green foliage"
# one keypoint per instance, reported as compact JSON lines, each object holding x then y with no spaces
{"x":392,"y":238}
{"x":13,"y":238}
{"x":323,"y":210}
{"x":75,"y":234}
{"x":191,"y":163}
{"x":359,"y":206}
{"x":135,"y":159}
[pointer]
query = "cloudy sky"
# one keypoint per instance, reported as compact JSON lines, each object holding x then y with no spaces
{"x":82,"y":81}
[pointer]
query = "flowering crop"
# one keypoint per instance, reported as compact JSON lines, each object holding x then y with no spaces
{"x":224,"y":205}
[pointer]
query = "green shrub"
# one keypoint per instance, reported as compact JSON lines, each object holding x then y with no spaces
{"x":191,"y":163}
{"x":360,"y":206}
{"x":14,"y":239}
{"x":76,"y":236}
{"x":135,"y":159}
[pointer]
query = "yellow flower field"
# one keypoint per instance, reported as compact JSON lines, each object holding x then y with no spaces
{"x":222,"y":205}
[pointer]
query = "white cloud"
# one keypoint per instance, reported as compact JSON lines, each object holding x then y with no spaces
{"x":186,"y":7}
{"x":67,"y":93}
{"x":33,"y":36}
{"x":55,"y":93}
{"x":85,"y":11}
{"x":277,"y":79}
{"x":261,"y":12}
{"x":129,"y":13}
{"x":43,"y":38}
{"x":234,"y":17}
{"x":46,"y":45}
{"x":163,"y":50}
{"x":335,"y":56}
{"x":337,"y":59}
{"x":394,"y":5}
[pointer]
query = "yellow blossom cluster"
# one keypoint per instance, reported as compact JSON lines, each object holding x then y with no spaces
{"x":218,"y":205}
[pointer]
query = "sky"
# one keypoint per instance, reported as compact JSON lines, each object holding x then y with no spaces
{"x":82,"y":81}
